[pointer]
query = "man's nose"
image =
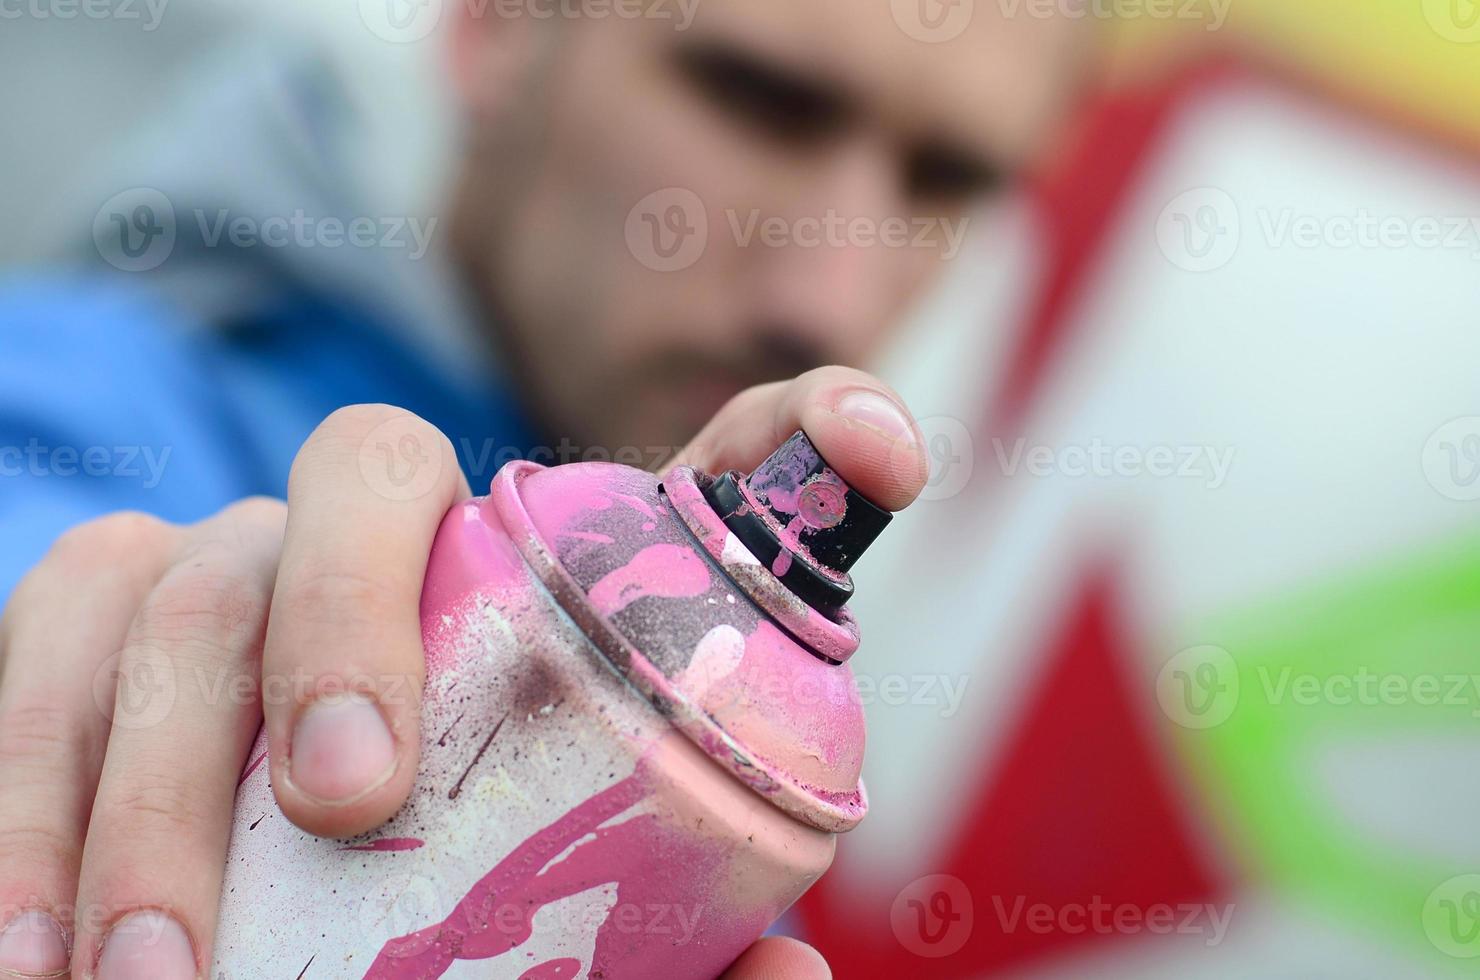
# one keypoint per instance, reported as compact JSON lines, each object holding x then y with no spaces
{"x":830,"y":266}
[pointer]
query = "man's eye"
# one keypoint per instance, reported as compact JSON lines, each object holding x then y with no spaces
{"x":946,"y":175}
{"x":769,"y":98}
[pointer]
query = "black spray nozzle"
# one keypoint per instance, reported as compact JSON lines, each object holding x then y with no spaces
{"x":797,"y":516}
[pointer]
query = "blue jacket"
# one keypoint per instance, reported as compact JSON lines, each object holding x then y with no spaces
{"x":178,"y":388}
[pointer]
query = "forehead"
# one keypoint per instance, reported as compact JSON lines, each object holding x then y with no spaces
{"x":964,"y":69}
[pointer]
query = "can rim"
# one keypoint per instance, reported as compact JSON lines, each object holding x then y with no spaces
{"x":826,"y":810}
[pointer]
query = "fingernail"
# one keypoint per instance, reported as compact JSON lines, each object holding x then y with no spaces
{"x":33,"y":945}
{"x":147,"y":946}
{"x":877,"y":412}
{"x":342,"y":749}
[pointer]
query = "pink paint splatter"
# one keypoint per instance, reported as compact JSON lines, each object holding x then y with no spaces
{"x":389,"y":844}
{"x":635,"y":502}
{"x":561,"y":969}
{"x":782,"y":564}
{"x":668,"y":571}
{"x":497,"y":914}
{"x":251,"y":768}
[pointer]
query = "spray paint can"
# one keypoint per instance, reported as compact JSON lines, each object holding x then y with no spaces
{"x":640,"y":737}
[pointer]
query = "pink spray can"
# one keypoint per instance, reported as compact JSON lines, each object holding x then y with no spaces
{"x":640,"y":737}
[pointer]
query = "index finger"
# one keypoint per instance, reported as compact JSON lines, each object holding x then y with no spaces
{"x":858,"y":424}
{"x":343,"y":664}
{"x":779,"y":958}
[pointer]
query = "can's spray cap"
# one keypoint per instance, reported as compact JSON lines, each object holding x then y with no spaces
{"x":796,"y":515}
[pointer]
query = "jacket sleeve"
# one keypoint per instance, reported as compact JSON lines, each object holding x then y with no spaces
{"x":104,"y":406}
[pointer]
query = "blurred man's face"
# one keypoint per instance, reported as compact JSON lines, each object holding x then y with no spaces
{"x":831,"y":152}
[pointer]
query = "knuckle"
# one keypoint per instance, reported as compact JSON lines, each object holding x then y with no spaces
{"x":203,"y":604}
{"x":118,"y":549}
{"x":254,"y":527}
{"x":116,"y":538}
{"x":38,"y":739}
{"x":336,"y":596}
{"x":754,"y":396}
{"x":39,"y":746}
{"x":29,"y":844}
{"x":158,"y":806}
{"x":257,"y":511}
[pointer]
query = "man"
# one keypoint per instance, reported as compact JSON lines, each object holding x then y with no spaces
{"x":645,"y":222}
